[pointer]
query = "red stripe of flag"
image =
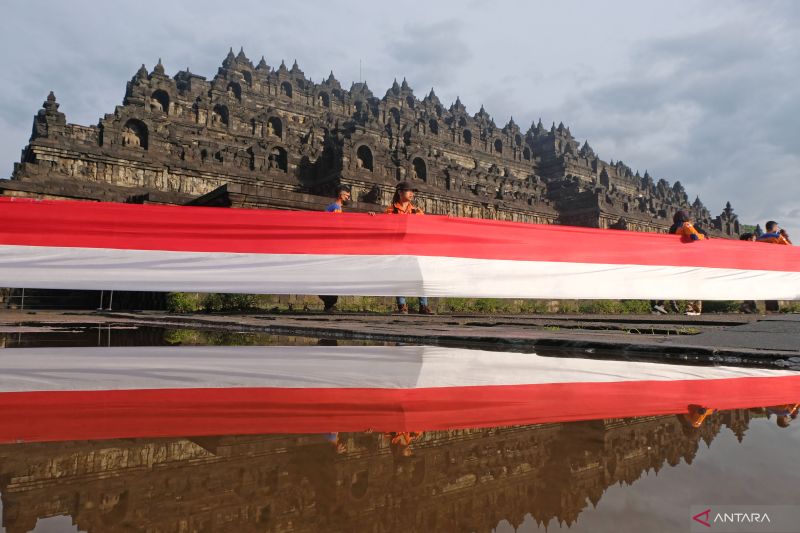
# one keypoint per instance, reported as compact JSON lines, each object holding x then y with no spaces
{"x":150,"y":227}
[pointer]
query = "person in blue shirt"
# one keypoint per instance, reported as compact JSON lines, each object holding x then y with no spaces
{"x":342,"y":197}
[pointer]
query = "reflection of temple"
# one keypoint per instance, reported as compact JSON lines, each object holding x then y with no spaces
{"x":256,"y":136}
{"x":465,"y":480}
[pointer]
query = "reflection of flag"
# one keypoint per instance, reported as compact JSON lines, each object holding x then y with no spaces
{"x":91,"y":393}
{"x":81,"y":245}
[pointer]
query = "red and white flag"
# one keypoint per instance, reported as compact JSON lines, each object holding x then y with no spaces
{"x":82,"y":245}
{"x":99,"y":393}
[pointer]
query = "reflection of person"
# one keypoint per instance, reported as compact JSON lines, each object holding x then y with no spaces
{"x":784,"y":414}
{"x":342,"y":197}
{"x":339,"y":445}
{"x":403,"y":204}
{"x":400,"y":441}
{"x":697,"y":415}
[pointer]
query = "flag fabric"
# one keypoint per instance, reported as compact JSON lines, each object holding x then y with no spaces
{"x":87,"y":245}
{"x":51,"y":394}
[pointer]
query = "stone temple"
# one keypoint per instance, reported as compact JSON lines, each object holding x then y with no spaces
{"x":262,"y":137}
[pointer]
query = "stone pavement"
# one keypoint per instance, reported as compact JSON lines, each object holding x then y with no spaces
{"x":730,"y":339}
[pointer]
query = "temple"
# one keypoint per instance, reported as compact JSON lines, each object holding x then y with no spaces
{"x":261,"y":137}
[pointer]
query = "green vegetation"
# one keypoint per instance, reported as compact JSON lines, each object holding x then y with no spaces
{"x":747,"y":228}
{"x":723,"y":306}
{"x":182,"y":302}
{"x":790,"y":307}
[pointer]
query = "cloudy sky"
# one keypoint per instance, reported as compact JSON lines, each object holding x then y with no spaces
{"x":707,"y":93}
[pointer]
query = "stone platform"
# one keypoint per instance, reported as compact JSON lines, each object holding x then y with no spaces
{"x":772,"y":340}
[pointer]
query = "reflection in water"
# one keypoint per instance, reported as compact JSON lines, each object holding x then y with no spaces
{"x":457,"y":480}
{"x":93,"y":335}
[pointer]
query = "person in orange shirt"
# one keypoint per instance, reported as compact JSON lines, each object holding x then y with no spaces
{"x":683,"y":226}
{"x":403,"y":204}
{"x":403,"y":201}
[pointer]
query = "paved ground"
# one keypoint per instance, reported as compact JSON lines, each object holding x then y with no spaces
{"x":746,"y":339}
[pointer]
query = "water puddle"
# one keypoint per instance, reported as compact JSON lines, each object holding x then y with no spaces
{"x":113,"y":427}
{"x":633,"y":474}
{"x":36,"y":335}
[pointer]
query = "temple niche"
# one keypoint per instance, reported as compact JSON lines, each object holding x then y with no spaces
{"x":134,"y":134}
{"x":274,"y":127}
{"x":364,"y":158}
{"x":186,"y":139}
{"x":159,"y":101}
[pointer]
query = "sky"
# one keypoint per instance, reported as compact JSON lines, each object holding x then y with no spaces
{"x":701,"y":92}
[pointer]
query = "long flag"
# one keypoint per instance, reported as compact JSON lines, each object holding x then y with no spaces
{"x":87,"y":245}
{"x":98,"y":393}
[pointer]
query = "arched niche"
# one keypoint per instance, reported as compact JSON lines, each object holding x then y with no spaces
{"x":275,"y":127}
{"x":159,"y":101}
{"x":235,"y":91}
{"x":419,"y":169}
{"x":219,"y":115}
{"x":134,"y":134}
{"x":364,"y":158}
{"x":278,"y":159}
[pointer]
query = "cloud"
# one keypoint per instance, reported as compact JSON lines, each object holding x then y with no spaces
{"x":715,"y":109}
{"x":429,"y":52}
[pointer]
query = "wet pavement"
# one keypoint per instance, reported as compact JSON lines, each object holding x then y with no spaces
{"x":640,"y":473}
{"x":80,"y":334}
{"x":723,"y":337}
{"x":731,"y":339}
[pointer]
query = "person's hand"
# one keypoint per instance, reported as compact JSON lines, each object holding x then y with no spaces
{"x":371,"y":213}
